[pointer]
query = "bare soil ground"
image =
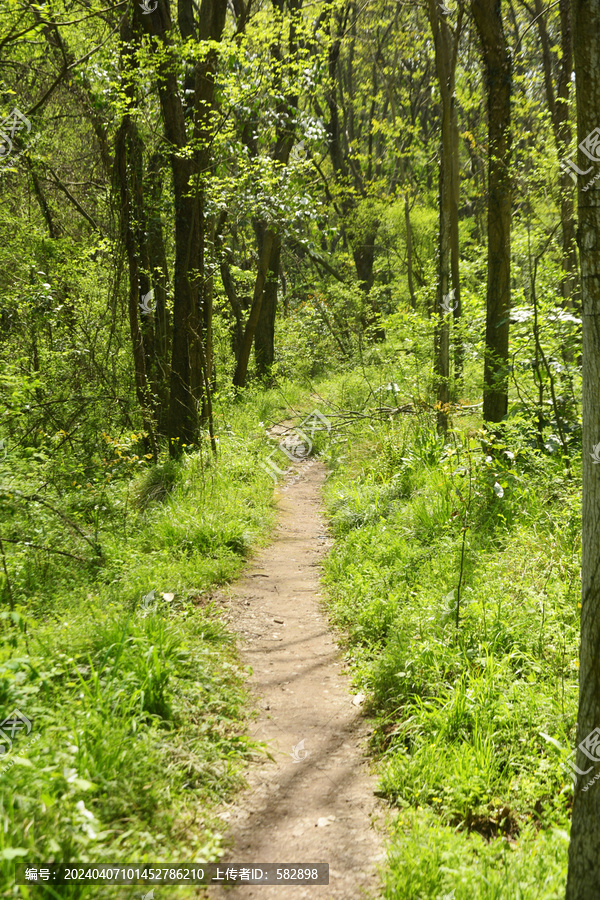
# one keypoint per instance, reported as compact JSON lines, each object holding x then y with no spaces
{"x":314,"y":802}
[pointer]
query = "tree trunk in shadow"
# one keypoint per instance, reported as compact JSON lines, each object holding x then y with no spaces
{"x":583,"y":880}
{"x":160,"y":282}
{"x":241,"y":370}
{"x":498,"y":70}
{"x":264,"y":339}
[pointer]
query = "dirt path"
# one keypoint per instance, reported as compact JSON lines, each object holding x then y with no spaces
{"x":318,"y":807}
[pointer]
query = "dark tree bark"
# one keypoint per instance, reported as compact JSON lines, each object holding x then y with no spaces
{"x":583,"y":881}
{"x":498,"y":73}
{"x":558,"y":104}
{"x":241,"y":369}
{"x":269,"y":248}
{"x":237,"y":335}
{"x":363,"y":253}
{"x":190,"y":383}
{"x":448,"y":300}
{"x":223,"y":254}
{"x":128,"y":172}
{"x":160,"y":282}
{"x":264,"y":339}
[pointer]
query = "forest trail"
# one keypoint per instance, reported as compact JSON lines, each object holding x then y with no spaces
{"x":320,"y":806}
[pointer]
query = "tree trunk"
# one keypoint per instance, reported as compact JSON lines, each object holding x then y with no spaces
{"x":189,"y":376}
{"x":445,"y":43}
{"x":409,"y":259}
{"x":488,"y":19}
{"x":160,"y":282}
{"x":128,"y":173}
{"x":129,"y":239}
{"x":264,"y":339}
{"x":583,"y":881}
{"x":364,"y":258}
{"x":558,"y":104}
{"x":363,"y":253}
{"x":237,"y":333}
{"x":241,"y":369}
{"x":454,"y":235}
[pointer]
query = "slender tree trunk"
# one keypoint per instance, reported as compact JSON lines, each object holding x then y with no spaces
{"x":498,"y":71}
{"x":241,"y":370}
{"x":444,"y":300}
{"x":160,"y":282}
{"x":210,"y":28}
{"x":189,"y":382}
{"x":264,"y":340}
{"x":183,"y":418}
{"x":409,"y":254}
{"x":454,"y":236}
{"x":137,"y":341}
{"x":445,"y":43}
{"x":208,"y":301}
{"x":558,"y":104}
{"x":237,"y":336}
{"x":583,"y":881}
{"x":128,"y":172}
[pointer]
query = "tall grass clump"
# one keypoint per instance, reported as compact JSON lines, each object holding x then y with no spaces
{"x":112,"y":646}
{"x":454,"y":579}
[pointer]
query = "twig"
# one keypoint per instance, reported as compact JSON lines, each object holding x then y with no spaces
{"x":8,"y":584}
{"x":37,"y":499}
{"x":35,"y":547}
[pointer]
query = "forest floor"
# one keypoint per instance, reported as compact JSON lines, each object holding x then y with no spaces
{"x":313,"y":799}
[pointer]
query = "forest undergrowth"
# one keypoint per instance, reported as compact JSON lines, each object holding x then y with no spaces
{"x":114,"y":652}
{"x":455,"y":583}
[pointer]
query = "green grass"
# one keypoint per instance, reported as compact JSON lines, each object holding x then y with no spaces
{"x":120,"y":659}
{"x":138,"y":704}
{"x":482,"y":801}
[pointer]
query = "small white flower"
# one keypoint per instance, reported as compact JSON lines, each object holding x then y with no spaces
{"x":80,"y":805}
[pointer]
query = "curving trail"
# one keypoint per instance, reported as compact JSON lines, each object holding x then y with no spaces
{"x":321,"y":807}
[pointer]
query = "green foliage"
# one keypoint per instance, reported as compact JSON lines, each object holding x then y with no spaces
{"x":456,"y":566}
{"x":123,"y":664}
{"x":428,"y":859}
{"x":154,"y":484}
{"x":460,"y":712}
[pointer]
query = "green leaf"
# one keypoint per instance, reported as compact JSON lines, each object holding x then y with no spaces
{"x":82,"y":784}
{"x":23,"y":761}
{"x":12,"y":852}
{"x":551,"y":739}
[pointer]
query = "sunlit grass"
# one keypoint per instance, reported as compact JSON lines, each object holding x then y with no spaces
{"x":483,"y":798}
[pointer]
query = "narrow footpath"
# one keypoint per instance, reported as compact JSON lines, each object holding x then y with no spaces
{"x":314,"y":802}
